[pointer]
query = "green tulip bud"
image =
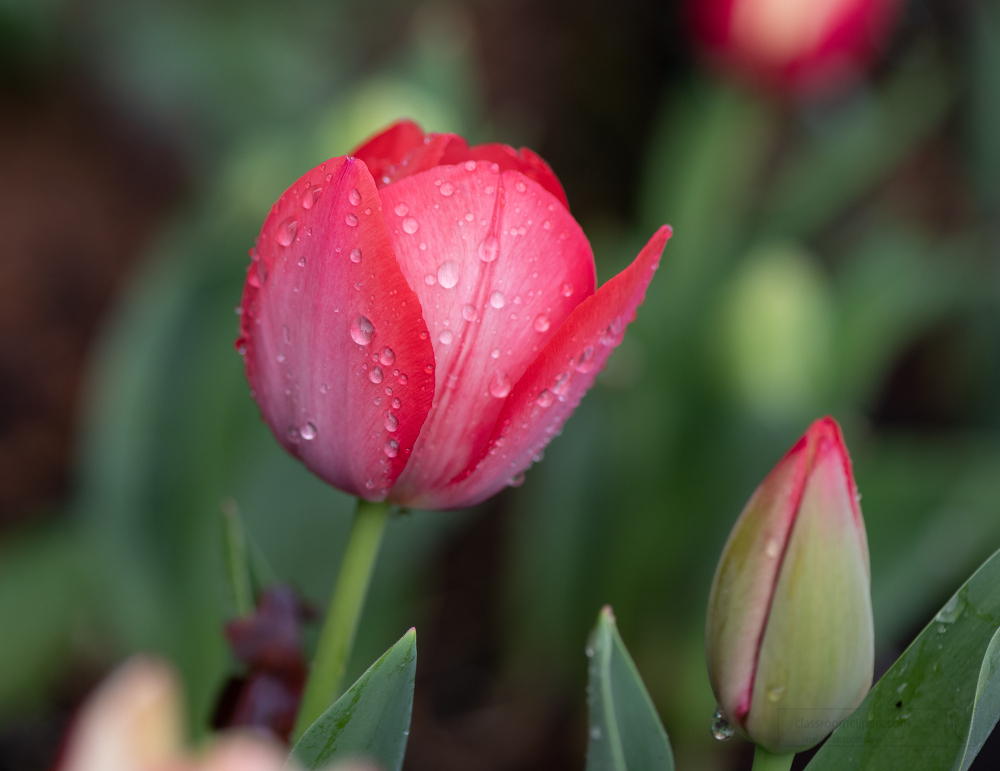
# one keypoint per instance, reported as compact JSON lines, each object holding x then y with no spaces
{"x":789,"y":632}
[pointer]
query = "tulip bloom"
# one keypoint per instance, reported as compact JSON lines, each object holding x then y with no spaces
{"x":134,"y":722}
{"x":804,"y":45}
{"x":419,"y":318}
{"x":789,"y":633}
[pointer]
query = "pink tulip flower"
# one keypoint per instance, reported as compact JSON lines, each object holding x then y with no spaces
{"x":807,"y":46}
{"x":419,"y":318}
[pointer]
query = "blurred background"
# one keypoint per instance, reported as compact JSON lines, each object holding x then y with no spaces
{"x":836,"y":251}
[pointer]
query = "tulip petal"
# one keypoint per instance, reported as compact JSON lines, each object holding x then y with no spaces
{"x":403,"y":150}
{"x":389,"y":147}
{"x":552,"y":387}
{"x":335,"y":343}
{"x":817,"y":653}
{"x":498,"y":264}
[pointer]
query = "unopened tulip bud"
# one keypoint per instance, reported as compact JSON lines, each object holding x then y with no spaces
{"x":789,"y":632}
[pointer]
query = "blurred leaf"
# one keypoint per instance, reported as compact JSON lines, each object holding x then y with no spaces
{"x":935,"y":706}
{"x":237,"y":558}
{"x":857,"y":149}
{"x":43,"y":601}
{"x":625,"y":730}
{"x":371,"y":720}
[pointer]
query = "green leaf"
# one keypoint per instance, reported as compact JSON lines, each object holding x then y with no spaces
{"x":937,"y":704}
{"x":372,"y":719}
{"x":625,"y":730}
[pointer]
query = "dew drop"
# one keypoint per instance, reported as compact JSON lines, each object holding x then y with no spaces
{"x":286,"y":231}
{"x":351,"y":220}
{"x":542,"y":323}
{"x":324,"y":388}
{"x":410,"y":225}
{"x":308,"y":431}
{"x":354,"y":196}
{"x":469,"y":312}
{"x":545,"y":398}
{"x":362,"y":330}
{"x":772,"y":549}
{"x":446,"y":337}
{"x":546,"y":225}
{"x":497,"y":300}
{"x":469,"y":216}
{"x":495,"y":353}
{"x":310,"y":196}
{"x":447,"y":189}
{"x":567,"y":289}
{"x":447,"y":274}
{"x":470,"y":165}
{"x":355,"y":255}
{"x":430,"y":279}
{"x":376,"y":375}
{"x":387,"y":357}
{"x":391,"y":448}
{"x":489,"y":248}
{"x":722,"y":729}
{"x":286,"y":333}
{"x":562,"y":384}
{"x":499,"y":384}
{"x":585,"y":361}
{"x":391,"y":422}
{"x":401,"y":209}
{"x":396,"y":403}
{"x":520,"y":186}
{"x":775,"y":693}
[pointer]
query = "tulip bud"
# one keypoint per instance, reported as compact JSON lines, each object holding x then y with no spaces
{"x":804,"y":45}
{"x":789,"y":632}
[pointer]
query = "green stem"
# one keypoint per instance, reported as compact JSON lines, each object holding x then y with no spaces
{"x":766,"y":761}
{"x":342,"y":616}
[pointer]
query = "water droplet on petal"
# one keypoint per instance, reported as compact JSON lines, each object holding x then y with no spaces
{"x":310,"y":196}
{"x":497,"y":300}
{"x":567,"y":289}
{"x":376,"y":375}
{"x":354,"y":196}
{"x":447,"y":189}
{"x":355,"y":255}
{"x":430,"y":279}
{"x":546,"y":225}
{"x":585,"y":361}
{"x":722,"y":729}
{"x":286,"y":333}
{"x":362,"y":330}
{"x":489,"y":249}
{"x":410,"y":225}
{"x":448,"y":274}
{"x":775,"y":693}
{"x":391,"y":448}
{"x":542,"y":323}
{"x":469,"y":312}
{"x":561,"y":385}
{"x":391,"y":422}
{"x":520,"y":186}
{"x":401,"y":209}
{"x":396,"y":403}
{"x":516,"y":481}
{"x":545,"y":398}
{"x":387,"y":357}
{"x":470,"y":165}
{"x":773,"y":548}
{"x":495,"y":353}
{"x":308,"y":431}
{"x":286,"y":231}
{"x":351,"y":220}
{"x":500,"y":384}
{"x":446,"y":337}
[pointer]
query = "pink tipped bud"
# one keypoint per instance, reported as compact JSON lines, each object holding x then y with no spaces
{"x":789,"y":631}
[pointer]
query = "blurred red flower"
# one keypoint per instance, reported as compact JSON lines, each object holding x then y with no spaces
{"x":807,"y":46}
{"x":419,"y":318}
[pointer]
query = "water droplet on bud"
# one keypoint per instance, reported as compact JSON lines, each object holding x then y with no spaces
{"x":500,"y":384}
{"x":354,"y":196}
{"x":286,"y":231}
{"x":489,"y":249}
{"x":362,"y":330}
{"x":722,"y":729}
{"x":308,"y":431}
{"x":375,"y":375}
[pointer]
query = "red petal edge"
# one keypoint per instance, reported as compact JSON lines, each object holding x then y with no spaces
{"x":403,"y":150}
{"x":556,"y":381}
{"x":324,"y":262}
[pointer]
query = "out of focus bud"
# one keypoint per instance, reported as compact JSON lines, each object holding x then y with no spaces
{"x":789,"y":632}
{"x":807,"y":46}
{"x":134,"y":722}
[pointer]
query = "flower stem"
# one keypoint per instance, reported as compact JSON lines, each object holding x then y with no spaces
{"x":346,"y":603}
{"x":766,"y":761}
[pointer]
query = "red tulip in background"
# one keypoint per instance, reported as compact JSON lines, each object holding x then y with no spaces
{"x":805,"y":45}
{"x":420,"y":317}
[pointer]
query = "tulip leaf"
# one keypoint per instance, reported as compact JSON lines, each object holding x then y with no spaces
{"x":625,"y":730}
{"x":939,"y":702}
{"x":372,"y":719}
